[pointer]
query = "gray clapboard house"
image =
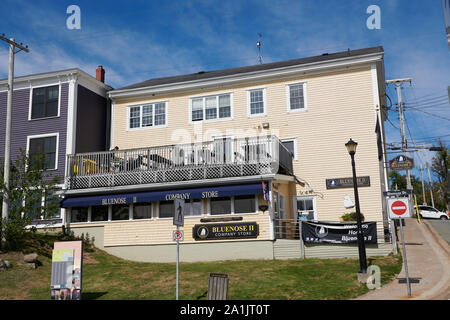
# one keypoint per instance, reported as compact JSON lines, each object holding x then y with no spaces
{"x":60,"y":112}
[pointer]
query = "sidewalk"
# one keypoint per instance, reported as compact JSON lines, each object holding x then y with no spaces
{"x":428,"y":257}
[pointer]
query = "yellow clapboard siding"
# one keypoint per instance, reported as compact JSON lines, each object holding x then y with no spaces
{"x":159,"y":231}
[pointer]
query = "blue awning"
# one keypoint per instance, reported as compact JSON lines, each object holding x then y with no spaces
{"x":194,"y":193}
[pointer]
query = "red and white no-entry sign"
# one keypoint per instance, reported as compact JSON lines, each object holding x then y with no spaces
{"x":398,"y":208}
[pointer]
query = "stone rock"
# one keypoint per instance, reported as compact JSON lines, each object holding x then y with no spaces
{"x":363,"y":277}
{"x":30,"y":258}
{"x":32,"y":265}
{"x":5,"y":264}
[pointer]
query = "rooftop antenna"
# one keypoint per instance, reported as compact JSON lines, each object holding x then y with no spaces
{"x":258,"y":44}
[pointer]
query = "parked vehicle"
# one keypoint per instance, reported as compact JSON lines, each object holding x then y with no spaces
{"x":428,"y":212}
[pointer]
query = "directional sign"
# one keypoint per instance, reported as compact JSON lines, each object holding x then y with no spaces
{"x":398,"y":208}
{"x":397,"y":193}
{"x":178,"y":235}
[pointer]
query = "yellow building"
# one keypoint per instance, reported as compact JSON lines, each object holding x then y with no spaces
{"x":251,"y":151}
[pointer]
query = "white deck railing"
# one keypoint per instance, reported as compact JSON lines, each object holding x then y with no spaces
{"x":197,"y":161}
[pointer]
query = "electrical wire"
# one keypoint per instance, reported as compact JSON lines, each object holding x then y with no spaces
{"x":429,"y":113}
{"x":431,"y":99}
{"x":387,"y":118}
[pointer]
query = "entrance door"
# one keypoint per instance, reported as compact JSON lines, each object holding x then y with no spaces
{"x":223,"y":149}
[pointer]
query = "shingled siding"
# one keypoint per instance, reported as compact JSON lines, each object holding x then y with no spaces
{"x":21,"y":127}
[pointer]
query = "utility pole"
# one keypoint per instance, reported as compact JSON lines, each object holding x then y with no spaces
{"x":398,"y":87}
{"x":12,"y":46}
{"x":424,"y":201}
{"x":429,"y":177}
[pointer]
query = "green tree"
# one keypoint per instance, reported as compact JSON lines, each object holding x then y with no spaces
{"x":398,"y":182}
{"x":29,"y":185}
{"x":440,"y":166}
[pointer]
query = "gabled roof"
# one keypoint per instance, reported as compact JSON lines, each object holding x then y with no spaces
{"x":205,"y":75}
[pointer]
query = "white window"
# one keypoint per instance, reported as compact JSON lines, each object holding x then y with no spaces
{"x":160,"y":114}
{"x":148,"y":115}
{"x":197,"y":109}
{"x":193,"y":208}
{"x":79,"y":214}
{"x":233,"y":205}
{"x":257,"y":102}
{"x":296,"y":96}
{"x":45,"y":146}
{"x":305,"y":208}
{"x":120,"y":212}
{"x":211,"y":107}
{"x":142,"y":211}
{"x":99,"y":213}
{"x":44,"y":102}
{"x":166,"y":209}
{"x":220,"y":205}
{"x":244,"y":204}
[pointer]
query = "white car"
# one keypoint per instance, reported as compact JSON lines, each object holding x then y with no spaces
{"x":432,"y":213}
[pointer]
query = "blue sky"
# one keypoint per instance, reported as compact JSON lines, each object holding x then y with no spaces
{"x":139,"y":40}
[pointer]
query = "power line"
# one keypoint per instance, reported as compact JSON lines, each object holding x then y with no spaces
{"x":389,"y":120}
{"x":431,"y":114}
{"x":410,"y":135}
{"x":434,"y":137}
{"x":425,"y":100}
{"x":442,"y":103}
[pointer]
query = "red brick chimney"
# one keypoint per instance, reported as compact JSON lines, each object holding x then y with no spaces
{"x":100,"y":74}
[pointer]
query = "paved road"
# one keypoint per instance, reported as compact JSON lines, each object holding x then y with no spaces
{"x":442,"y":227}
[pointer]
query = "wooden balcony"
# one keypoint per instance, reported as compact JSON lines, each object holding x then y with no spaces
{"x":223,"y":158}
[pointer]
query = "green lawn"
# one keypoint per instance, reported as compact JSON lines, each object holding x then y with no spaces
{"x":107,"y":277}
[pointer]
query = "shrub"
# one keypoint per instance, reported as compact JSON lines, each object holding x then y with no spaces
{"x":14,"y":232}
{"x":351,"y":217}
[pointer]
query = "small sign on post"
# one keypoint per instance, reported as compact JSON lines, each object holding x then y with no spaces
{"x":178,"y":217}
{"x":399,"y":209}
{"x":401,"y":163}
{"x":178,"y":235}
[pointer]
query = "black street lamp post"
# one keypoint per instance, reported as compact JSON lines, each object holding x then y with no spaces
{"x":351,"y":147}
